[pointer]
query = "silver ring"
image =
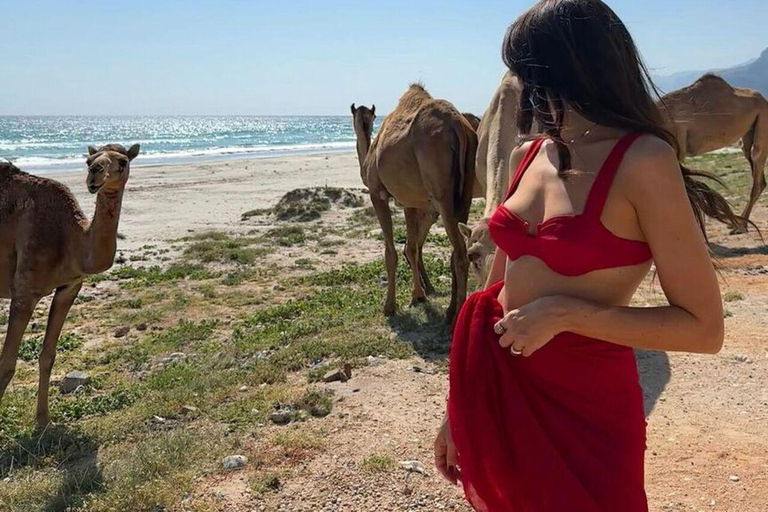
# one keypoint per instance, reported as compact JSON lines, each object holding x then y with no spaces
{"x":499,"y":329}
{"x":515,"y":352}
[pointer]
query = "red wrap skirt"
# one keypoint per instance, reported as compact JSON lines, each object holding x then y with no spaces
{"x":560,"y":431}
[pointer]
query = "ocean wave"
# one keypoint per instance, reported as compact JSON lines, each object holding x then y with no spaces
{"x":67,"y":162}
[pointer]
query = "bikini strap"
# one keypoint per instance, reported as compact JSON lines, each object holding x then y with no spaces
{"x":602,"y":185}
{"x":524,"y":164}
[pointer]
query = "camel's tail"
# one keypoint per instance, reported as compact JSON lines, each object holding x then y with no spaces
{"x":464,"y":170}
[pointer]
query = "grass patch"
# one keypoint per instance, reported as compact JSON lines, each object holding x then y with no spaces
{"x":30,"y":348}
{"x":731,"y":296}
{"x":378,"y":463}
{"x":225,"y":250}
{"x":287,"y":236}
{"x":149,"y":276}
{"x":307,"y":204}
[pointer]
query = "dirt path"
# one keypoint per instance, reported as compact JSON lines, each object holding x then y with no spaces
{"x":707,"y":427}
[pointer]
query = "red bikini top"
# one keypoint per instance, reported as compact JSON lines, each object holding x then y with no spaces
{"x":570,"y":245}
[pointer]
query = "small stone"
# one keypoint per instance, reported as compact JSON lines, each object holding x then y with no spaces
{"x":741,"y":358}
{"x":141,"y":327}
{"x":73,"y":380}
{"x":374,"y":361}
{"x":336,"y":375}
{"x":413,"y":466}
{"x":120,"y":332}
{"x":243,"y":389}
{"x":158,"y":419}
{"x":188,"y":409}
{"x":281,"y":416}
{"x":233,"y":462}
{"x":734,"y":478}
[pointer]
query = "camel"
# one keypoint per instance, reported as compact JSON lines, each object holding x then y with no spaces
{"x":423,"y":157}
{"x":710,"y":114}
{"x":497,"y":137}
{"x":473,"y":120}
{"x":48,"y":244}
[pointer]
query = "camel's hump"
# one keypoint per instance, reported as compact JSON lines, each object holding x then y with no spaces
{"x":8,"y":169}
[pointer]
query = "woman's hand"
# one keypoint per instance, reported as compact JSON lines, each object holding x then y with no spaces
{"x":446,"y":460}
{"x":527,"y":329}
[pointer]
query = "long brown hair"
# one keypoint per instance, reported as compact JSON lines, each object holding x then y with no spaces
{"x":578,"y":53}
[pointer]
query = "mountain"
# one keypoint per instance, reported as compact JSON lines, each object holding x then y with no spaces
{"x":752,"y":74}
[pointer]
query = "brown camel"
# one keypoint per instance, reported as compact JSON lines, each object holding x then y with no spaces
{"x":710,"y":114}
{"x":473,"y":120}
{"x":497,"y":137}
{"x":48,"y":244}
{"x":423,"y":157}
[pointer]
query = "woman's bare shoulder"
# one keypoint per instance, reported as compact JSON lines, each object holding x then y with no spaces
{"x":650,"y":164}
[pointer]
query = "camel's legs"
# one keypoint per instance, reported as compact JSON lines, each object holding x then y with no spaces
{"x":381,"y":207}
{"x":755,"y":147}
{"x":62,"y":301}
{"x":20,"y":312}
{"x":418,"y":223}
{"x":425,"y":223}
{"x":413,"y":252}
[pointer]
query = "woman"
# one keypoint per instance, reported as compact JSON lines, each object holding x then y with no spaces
{"x":545,"y":412}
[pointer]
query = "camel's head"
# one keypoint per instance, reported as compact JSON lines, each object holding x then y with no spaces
{"x":480,"y":248}
{"x":109,"y":166}
{"x":362,"y":119}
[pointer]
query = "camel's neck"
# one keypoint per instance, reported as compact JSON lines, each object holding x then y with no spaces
{"x":101,"y":236}
{"x":363,"y":146}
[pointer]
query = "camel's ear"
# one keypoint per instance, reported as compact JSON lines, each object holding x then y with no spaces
{"x":92,"y":150}
{"x":353,"y":109}
{"x":465,"y":230}
{"x":133,"y":152}
{"x":373,"y":109}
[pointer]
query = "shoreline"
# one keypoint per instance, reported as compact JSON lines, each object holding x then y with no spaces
{"x":204,"y":157}
{"x":167,"y":202}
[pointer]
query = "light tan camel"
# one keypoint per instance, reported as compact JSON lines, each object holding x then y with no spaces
{"x":424,"y":158}
{"x":497,"y":137}
{"x":710,"y":114}
{"x":48,"y":244}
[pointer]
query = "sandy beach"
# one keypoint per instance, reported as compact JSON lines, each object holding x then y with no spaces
{"x":167,"y":202}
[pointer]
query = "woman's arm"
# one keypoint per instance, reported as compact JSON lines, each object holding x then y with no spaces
{"x":498,"y":267}
{"x":693,"y":321}
{"x":499,"y":264}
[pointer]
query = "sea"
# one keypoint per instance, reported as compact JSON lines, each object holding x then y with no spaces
{"x":50,"y":144}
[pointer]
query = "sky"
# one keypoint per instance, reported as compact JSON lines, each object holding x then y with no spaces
{"x":310,"y":57}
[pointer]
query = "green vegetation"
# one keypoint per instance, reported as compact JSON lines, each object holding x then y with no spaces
{"x":378,"y":463}
{"x":31,"y":346}
{"x":307,"y":204}
{"x":221,"y":350}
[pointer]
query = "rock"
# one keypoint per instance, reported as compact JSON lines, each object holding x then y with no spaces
{"x":234,"y":462}
{"x":734,"y":478}
{"x":375,"y":361}
{"x":120,"y":332}
{"x":158,"y":419}
{"x":413,"y":466}
{"x":741,"y":358}
{"x":281,"y":416}
{"x":336,"y":375}
{"x":141,"y":327}
{"x":243,"y":389}
{"x":188,"y":409}
{"x":73,"y":380}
